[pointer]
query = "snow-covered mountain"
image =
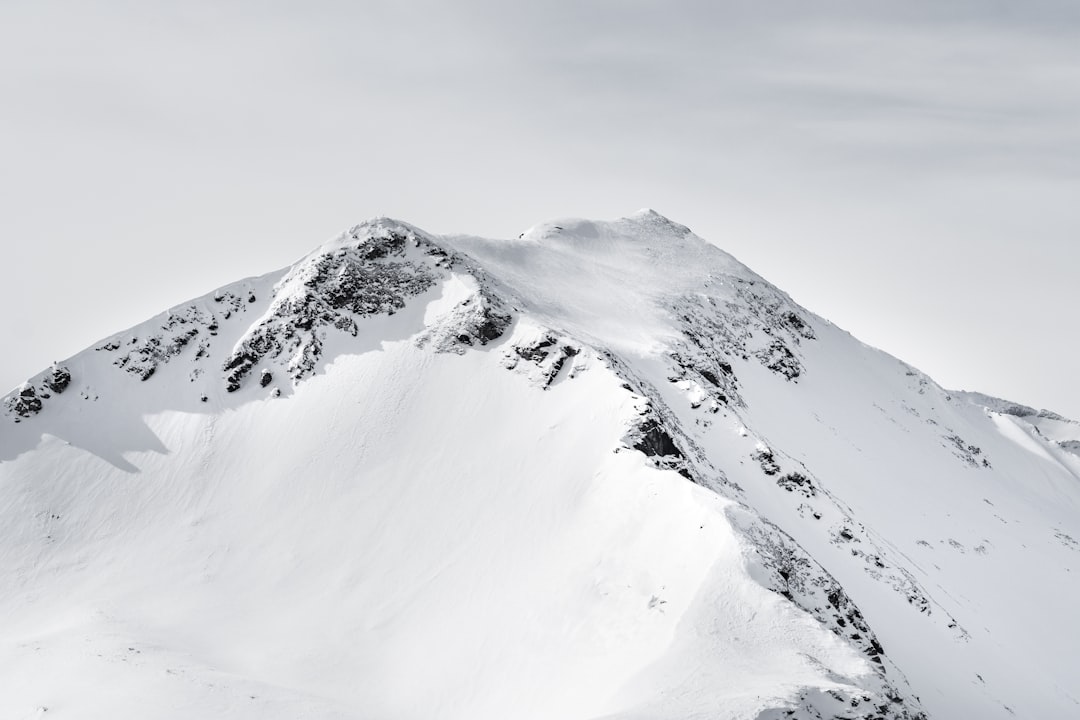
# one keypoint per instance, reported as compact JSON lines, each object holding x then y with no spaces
{"x":602,"y":470}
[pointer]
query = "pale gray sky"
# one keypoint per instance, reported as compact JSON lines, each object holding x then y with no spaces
{"x":909,"y":170}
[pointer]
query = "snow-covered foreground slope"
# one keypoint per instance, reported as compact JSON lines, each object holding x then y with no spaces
{"x":599,"y":471}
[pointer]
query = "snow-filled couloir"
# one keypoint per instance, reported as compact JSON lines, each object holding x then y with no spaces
{"x":601,"y":470}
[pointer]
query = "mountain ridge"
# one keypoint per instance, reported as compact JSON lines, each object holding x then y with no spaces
{"x":732,"y":385}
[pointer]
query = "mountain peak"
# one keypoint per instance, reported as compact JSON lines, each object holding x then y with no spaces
{"x":645,"y":225}
{"x":379,"y":227}
{"x":613,"y":282}
{"x":654,"y":219}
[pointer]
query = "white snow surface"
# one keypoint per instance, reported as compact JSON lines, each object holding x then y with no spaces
{"x":404,"y":513}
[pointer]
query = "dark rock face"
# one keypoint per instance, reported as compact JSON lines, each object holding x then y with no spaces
{"x":538,"y":351}
{"x":375,"y":269}
{"x":654,"y":441}
{"x":240,"y":363}
{"x":794,"y":481}
{"x":565,"y":353}
{"x":768,"y":463}
{"x":967,"y":452}
{"x":25,"y":402}
{"x":58,"y":379}
{"x":492,"y":327}
{"x":481,"y":321}
{"x":758,"y":323}
{"x":359,"y":284}
{"x":791,"y":572}
{"x":374,"y":273}
{"x":779,"y":358}
{"x":549,"y":357}
{"x":183,"y":327}
{"x":30,"y":399}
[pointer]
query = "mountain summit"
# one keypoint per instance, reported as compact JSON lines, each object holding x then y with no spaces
{"x":598,"y":471}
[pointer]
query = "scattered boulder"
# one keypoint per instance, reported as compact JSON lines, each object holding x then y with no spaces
{"x":25,"y":402}
{"x":58,"y":378}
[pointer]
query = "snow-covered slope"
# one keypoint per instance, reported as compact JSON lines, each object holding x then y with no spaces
{"x":601,"y":470}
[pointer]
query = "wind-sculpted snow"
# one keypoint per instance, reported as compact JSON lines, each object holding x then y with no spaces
{"x":600,"y":470}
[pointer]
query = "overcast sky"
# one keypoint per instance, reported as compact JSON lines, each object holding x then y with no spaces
{"x":910,"y":170}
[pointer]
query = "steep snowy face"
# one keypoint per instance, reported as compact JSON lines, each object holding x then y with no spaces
{"x":940,"y":515}
{"x":609,"y":281}
{"x":645,"y":286}
{"x":599,"y":470}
